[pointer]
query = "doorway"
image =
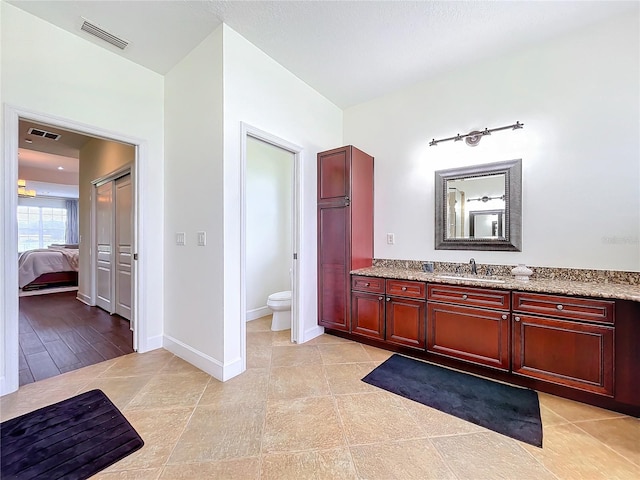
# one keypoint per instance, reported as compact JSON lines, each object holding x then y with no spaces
{"x":9,"y":377}
{"x":288,"y":155}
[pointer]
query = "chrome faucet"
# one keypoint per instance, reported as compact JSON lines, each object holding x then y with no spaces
{"x":474,"y":270}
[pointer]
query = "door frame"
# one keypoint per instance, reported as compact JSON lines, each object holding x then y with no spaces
{"x":296,"y":150}
{"x":9,"y":364}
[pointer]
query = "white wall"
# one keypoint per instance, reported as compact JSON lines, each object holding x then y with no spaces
{"x":263,"y":94}
{"x":579,"y":99}
{"x":49,"y":71}
{"x":269,"y":191}
{"x":193,"y":294}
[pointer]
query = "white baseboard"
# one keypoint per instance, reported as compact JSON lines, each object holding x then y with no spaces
{"x":151,"y":343}
{"x":257,"y":313}
{"x":6,"y":387}
{"x":203,"y":361}
{"x":86,"y":299}
{"x":312,"y":333}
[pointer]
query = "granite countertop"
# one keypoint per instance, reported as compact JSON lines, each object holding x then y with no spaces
{"x":542,"y":285}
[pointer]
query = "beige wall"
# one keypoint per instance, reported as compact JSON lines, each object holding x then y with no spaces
{"x":98,"y":158}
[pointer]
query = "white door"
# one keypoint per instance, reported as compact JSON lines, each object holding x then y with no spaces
{"x":123,"y":245}
{"x":104,"y":242}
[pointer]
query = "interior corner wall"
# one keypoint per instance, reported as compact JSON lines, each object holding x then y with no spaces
{"x":579,"y":99}
{"x":193,"y":294}
{"x":49,"y":71}
{"x":263,"y":94}
{"x":98,"y":158}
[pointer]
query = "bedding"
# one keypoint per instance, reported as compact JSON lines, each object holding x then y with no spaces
{"x":34,"y":263}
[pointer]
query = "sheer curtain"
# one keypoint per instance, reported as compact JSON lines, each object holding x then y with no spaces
{"x":72,"y":221}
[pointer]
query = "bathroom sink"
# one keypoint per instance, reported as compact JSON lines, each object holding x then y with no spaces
{"x":471,"y":278}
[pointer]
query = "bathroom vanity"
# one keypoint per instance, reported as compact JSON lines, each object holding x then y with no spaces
{"x":578,"y":340}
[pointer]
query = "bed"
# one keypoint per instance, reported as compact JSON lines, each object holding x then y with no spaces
{"x":48,"y":267}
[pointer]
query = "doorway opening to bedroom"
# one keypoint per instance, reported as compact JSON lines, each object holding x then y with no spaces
{"x":270,"y":233}
{"x":63,"y":324}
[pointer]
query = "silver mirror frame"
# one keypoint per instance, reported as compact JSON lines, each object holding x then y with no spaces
{"x":512,"y":241}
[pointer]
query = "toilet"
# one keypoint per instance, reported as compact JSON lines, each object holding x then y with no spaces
{"x":280,"y":304}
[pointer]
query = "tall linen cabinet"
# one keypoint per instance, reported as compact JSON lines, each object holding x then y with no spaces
{"x":345,"y":229}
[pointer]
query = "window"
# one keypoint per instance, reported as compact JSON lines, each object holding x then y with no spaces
{"x":39,"y":227}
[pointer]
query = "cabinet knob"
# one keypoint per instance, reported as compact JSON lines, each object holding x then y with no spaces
{"x":464,"y":297}
{"x":388,"y":299}
{"x":559,"y":307}
{"x":380,"y":298}
{"x":367,"y":284}
{"x":517,"y":319}
{"x":504,"y":317}
{"x":404,"y":289}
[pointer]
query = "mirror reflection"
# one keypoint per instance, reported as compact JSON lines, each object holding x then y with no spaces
{"x":476,"y":207}
{"x":479,"y":207}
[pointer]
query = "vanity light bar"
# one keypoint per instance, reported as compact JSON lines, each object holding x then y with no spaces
{"x":473,"y":138}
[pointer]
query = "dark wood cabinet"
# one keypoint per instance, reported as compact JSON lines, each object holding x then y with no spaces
{"x":345,"y":229}
{"x":559,"y":347}
{"x":391,"y":310}
{"x":461,"y":330}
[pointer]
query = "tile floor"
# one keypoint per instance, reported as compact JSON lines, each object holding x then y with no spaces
{"x":301,"y":412}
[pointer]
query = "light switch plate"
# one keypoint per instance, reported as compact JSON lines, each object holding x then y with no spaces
{"x":180,"y":239}
{"x":202,"y":239}
{"x":391,"y":238}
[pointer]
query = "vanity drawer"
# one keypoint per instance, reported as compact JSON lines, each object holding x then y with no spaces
{"x":367,"y":284}
{"x":476,"y":297}
{"x":571,"y":308}
{"x":406,"y":288}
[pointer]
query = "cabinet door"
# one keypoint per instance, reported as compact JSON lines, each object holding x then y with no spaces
{"x":578,"y":355}
{"x":405,"y":322}
{"x":333,"y":272}
{"x":367,"y":314}
{"x":466,"y":333}
{"x":334,"y":168}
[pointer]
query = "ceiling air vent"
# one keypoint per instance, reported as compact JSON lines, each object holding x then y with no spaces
{"x":43,"y":133}
{"x":103,"y":34}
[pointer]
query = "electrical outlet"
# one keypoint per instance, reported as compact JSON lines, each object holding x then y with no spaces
{"x":180,"y":239}
{"x":391,"y":238}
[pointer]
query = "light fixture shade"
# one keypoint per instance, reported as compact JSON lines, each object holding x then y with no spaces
{"x":22,"y":183}
{"x":22,"y":190}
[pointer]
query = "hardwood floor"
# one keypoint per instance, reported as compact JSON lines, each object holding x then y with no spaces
{"x":59,"y":333}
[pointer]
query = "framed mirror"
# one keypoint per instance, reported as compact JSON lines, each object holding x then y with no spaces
{"x":479,"y":207}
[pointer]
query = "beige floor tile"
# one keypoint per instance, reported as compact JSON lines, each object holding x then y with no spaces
{"x":282,"y":338}
{"x":376,"y":417}
{"x":160,"y":430}
{"x":489,"y":455}
{"x":571,"y":453}
{"x":242,"y":469}
{"x":145,"y":474}
{"x":138,"y":364}
{"x":169,"y":391}
{"x":435,"y":423}
{"x":259,"y":356}
{"x":220,"y":433}
{"x":347,"y":377}
{"x":88,"y":373}
{"x":377,"y":354}
{"x":574,"y":411}
{"x":326,"y":338}
{"x":313,"y":465}
{"x":405,"y":460}
{"x":248,"y":389}
{"x":257,"y":339}
{"x":295,"y":355}
{"x":179,"y":366}
{"x":262,"y":324}
{"x":120,"y":390}
{"x":343,"y":353}
{"x":297,"y":382}
{"x":39,"y":394}
{"x":620,"y":434}
{"x":301,"y":424}
{"x":550,"y":418}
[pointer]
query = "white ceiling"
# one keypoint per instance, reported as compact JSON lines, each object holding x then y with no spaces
{"x":349,"y":51}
